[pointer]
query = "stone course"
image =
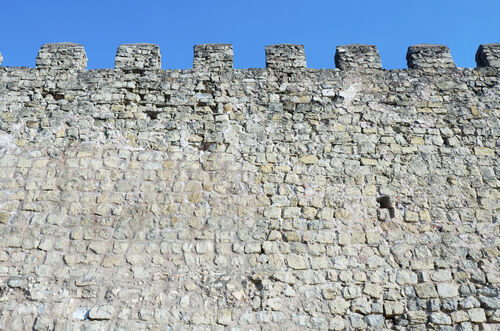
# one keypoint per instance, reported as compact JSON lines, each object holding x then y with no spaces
{"x":353,"y":198}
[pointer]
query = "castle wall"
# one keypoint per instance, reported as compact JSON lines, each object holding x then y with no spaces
{"x":282,"y":197}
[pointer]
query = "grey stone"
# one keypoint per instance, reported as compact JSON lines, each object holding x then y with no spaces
{"x":439,"y":318}
{"x":447,"y":290}
{"x":138,"y":57}
{"x":62,"y":56}
{"x":487,"y":55}
{"x":283,"y":56}
{"x":104,"y":312}
{"x":357,"y":57}
{"x":214,"y":57}
{"x":427,"y":56}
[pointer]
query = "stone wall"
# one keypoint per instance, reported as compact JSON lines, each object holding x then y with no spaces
{"x":284,"y":197}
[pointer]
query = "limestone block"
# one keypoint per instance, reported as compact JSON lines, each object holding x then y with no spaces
{"x":62,"y":56}
{"x":426,"y":290}
{"x":477,"y":315}
{"x":1,"y":58}
{"x":138,"y":57}
{"x":104,"y":312}
{"x":356,"y":56}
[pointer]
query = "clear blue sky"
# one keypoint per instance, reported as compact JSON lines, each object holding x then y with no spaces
{"x":249,"y":25}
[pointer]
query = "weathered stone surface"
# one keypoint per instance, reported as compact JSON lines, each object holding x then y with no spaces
{"x":357,"y":57}
{"x":138,"y":57}
{"x":283,"y":56}
{"x":273,"y":198}
{"x":447,"y":290}
{"x":61,"y":56}
{"x":213,"y":57}
{"x":487,"y":55}
{"x":433,"y":57}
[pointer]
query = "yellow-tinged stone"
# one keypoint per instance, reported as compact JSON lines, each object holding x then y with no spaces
{"x":169,"y":164}
{"x":338,"y":127}
{"x":369,"y":190}
{"x":343,"y":214}
{"x":117,"y":107}
{"x":417,"y":141}
{"x":21,"y":142}
{"x":411,"y":216}
{"x":424,"y":110}
{"x":32,"y":124}
{"x":369,"y":161}
{"x":61,"y":133}
{"x":196,"y":197}
{"x":111,"y":261}
{"x":266,"y":168}
{"x":134,"y":164}
{"x":302,"y":99}
{"x":370,"y":130}
{"x":475,"y":112}
{"x":228,"y":107}
{"x":282,"y":168}
{"x":424,"y":216}
{"x":309,"y":159}
{"x":484,"y":151}
{"x":4,"y":217}
{"x":84,"y":154}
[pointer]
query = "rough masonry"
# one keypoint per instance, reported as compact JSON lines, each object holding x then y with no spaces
{"x":284,"y":197}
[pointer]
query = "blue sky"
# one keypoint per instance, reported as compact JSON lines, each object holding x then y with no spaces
{"x":249,"y":25}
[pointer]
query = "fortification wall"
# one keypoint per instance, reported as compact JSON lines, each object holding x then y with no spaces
{"x":284,"y":197}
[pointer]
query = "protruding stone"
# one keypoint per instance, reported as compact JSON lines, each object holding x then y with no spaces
{"x":487,"y":55}
{"x":352,"y":57}
{"x":62,"y":56}
{"x":213,"y":57}
{"x":1,"y":58}
{"x":429,"y":57}
{"x":138,"y":57}
{"x":284,"y":56}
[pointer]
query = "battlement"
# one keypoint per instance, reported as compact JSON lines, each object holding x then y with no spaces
{"x":219,"y":57}
{"x":283,"y":197}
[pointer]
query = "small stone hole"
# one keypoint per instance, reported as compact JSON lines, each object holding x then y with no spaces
{"x":384,"y":202}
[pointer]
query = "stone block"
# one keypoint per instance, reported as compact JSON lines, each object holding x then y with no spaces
{"x":138,"y":57}
{"x":440,"y":318}
{"x":285,"y":56}
{"x":447,"y":290}
{"x":429,"y":57}
{"x":357,"y":57}
{"x":62,"y":56}
{"x":1,"y":58}
{"x":426,"y":290}
{"x":477,"y":315}
{"x":297,"y":262}
{"x":104,"y":312}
